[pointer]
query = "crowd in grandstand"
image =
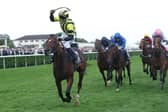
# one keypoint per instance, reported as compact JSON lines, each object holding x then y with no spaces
{"x":20,"y":51}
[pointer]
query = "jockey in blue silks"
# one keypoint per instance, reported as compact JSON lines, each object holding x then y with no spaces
{"x":120,"y":42}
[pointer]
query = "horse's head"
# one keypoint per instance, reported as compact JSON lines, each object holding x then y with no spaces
{"x":113,"y":54}
{"x":144,"y":44}
{"x":156,"y":42}
{"x":141,"y":45}
{"x":98,"y":45}
{"x":52,"y":45}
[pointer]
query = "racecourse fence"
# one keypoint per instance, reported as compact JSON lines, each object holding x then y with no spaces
{"x":15,"y":61}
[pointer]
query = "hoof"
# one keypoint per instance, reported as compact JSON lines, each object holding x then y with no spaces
{"x":108,"y":82}
{"x":77,"y":102}
{"x":68,"y":100}
{"x":117,"y":90}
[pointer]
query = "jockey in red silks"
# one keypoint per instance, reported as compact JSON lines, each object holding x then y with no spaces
{"x":148,"y":39}
{"x":159,"y":33}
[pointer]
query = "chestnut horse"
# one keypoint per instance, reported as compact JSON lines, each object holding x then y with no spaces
{"x":159,"y":61}
{"x":156,"y":57}
{"x":63,"y":67}
{"x":102,"y":61}
{"x":146,"y":55}
{"x":116,"y":61}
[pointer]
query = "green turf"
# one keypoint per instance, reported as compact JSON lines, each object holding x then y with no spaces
{"x":33,"y":89}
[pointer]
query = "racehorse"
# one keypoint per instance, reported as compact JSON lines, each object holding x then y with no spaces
{"x":164,"y":67}
{"x":146,"y":55}
{"x":64,"y":68}
{"x":102,"y":61}
{"x":159,"y":61}
{"x":116,"y":61}
{"x":156,"y":57}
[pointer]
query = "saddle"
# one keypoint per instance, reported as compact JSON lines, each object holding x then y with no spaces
{"x":73,"y":53}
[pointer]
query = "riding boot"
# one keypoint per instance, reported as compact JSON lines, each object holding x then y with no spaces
{"x":78,"y":60}
{"x":73,"y":55}
{"x":127,"y":57}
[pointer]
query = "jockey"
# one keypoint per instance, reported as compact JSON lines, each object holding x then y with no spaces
{"x":148,"y":40}
{"x":120,"y":41}
{"x":68,"y":34}
{"x":158,"y":34}
{"x":105,"y":42}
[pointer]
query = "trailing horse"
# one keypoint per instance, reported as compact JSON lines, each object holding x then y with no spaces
{"x":116,"y":61}
{"x":63,"y":67}
{"x":159,"y":61}
{"x":102,"y":61}
{"x":146,"y":55}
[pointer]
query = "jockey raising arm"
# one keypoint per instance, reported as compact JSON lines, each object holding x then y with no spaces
{"x":69,"y":31}
{"x":66,"y":24}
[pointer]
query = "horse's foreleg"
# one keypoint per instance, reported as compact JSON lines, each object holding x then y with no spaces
{"x":124,"y":71}
{"x":119,"y":79}
{"x":150,"y":70}
{"x":104,"y":78}
{"x":162,"y":77}
{"x":147,"y":68}
{"x":154,"y":72}
{"x":59,"y":88}
{"x":68,"y":90}
{"x":143,"y":67}
{"x":129,"y":73}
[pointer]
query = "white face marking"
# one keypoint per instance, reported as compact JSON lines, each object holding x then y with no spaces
{"x":49,"y":40}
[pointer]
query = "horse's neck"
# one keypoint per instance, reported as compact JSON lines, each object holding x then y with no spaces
{"x":101,"y":50}
{"x":59,"y":58}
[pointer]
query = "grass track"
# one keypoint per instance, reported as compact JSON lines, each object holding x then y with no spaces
{"x":33,"y":89}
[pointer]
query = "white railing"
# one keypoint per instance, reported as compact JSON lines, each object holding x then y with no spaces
{"x":14,"y":61}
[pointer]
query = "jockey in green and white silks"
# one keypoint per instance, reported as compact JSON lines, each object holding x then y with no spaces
{"x":69,"y":31}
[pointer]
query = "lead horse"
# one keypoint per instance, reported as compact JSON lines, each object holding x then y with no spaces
{"x":64,"y":68}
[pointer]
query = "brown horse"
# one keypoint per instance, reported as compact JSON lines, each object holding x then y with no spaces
{"x":116,"y":61}
{"x":63,"y":67}
{"x":102,"y":61}
{"x":164,"y":67}
{"x":146,"y":55}
{"x":159,"y":61}
{"x":156,"y":57}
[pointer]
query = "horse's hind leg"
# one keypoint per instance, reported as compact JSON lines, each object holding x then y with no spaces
{"x":81,"y":75}
{"x":59,"y":88}
{"x":68,"y":90}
